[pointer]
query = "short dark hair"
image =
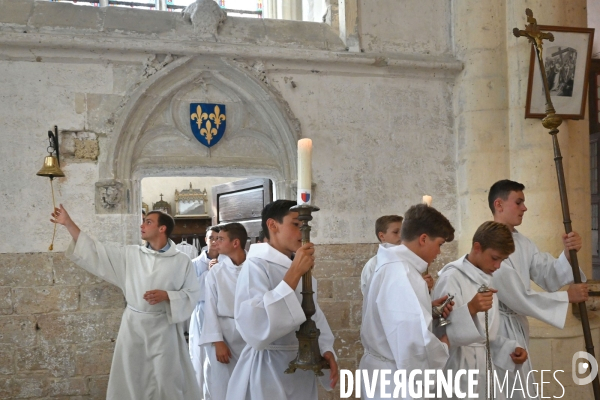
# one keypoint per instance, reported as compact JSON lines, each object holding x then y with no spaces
{"x":164,"y":219}
{"x":235,"y":230}
{"x":494,"y":235}
{"x":502,"y":189}
{"x":261,"y":236}
{"x":275,"y":210}
{"x":383,"y":223}
{"x":424,"y":219}
{"x":214,"y":228}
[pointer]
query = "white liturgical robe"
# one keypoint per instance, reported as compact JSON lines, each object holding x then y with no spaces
{"x":219,"y":326}
{"x":518,"y":300}
{"x":367,"y":273}
{"x":151,"y":360}
{"x":466,"y":333}
{"x":397,"y":321}
{"x":197,"y":355}
{"x":268,"y":314}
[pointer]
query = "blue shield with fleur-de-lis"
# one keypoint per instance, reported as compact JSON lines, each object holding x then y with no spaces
{"x":208,"y":122}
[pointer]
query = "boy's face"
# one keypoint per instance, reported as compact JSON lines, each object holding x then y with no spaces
{"x":286,"y":234}
{"x":225,"y":245}
{"x":488,"y":260}
{"x":511,"y":210}
{"x":392,"y":235}
{"x":150,"y":229}
{"x":431,"y":248}
{"x":211,"y":241}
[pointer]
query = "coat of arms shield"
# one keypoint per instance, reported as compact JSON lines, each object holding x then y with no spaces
{"x":208,"y":122}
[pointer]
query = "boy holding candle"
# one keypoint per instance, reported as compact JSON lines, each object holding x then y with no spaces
{"x":268,"y":313}
{"x":396,"y":329}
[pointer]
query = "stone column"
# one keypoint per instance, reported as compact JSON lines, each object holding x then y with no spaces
{"x":480,"y":109}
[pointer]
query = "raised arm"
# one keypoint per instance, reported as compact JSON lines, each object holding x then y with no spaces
{"x":61,"y":216}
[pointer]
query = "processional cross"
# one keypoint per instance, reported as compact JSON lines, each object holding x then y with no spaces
{"x":552,"y":122}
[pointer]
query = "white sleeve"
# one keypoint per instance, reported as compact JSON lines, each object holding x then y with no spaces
{"x":211,"y":331}
{"x":262,"y":314}
{"x":201,"y":269}
{"x":551,"y":273}
{"x":182,"y":302}
{"x":463,"y":330}
{"x":413,"y":346}
{"x":367,"y":273}
{"x":502,"y":348}
{"x":547,"y":307}
{"x":103,"y":260}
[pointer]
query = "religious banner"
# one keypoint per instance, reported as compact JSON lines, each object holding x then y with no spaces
{"x":208,"y":122}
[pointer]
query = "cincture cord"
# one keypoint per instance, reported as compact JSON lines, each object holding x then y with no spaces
{"x":489,"y":387}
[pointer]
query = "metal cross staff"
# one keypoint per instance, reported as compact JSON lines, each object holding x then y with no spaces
{"x":552,"y":122}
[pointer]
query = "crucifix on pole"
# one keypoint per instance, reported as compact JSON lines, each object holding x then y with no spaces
{"x":552,"y":122}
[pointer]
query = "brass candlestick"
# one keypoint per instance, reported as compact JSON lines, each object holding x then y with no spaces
{"x":552,"y":122}
{"x":309,"y":356}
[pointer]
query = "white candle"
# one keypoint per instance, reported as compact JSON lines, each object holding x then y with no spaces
{"x":427,"y":200}
{"x":304,"y":171}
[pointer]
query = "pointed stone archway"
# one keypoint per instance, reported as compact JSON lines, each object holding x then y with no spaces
{"x":154,"y":138}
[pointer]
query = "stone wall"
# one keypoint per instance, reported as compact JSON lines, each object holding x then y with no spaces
{"x":58,"y":325}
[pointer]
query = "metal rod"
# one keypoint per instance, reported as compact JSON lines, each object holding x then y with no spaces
{"x":552,"y":122}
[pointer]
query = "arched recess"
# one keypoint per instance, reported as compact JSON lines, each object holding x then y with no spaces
{"x":154,"y":136}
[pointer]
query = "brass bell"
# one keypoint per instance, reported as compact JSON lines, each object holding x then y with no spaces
{"x":51,"y":168}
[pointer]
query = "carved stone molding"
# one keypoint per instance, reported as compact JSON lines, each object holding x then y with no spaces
{"x":110,"y":196}
{"x":205,"y":15}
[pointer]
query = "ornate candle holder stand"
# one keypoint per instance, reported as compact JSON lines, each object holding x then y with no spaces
{"x":309,"y":355}
{"x":552,"y":122}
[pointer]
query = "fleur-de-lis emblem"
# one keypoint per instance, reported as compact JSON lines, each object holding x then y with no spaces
{"x":210,"y":125}
{"x":200,"y":116}
{"x":208,"y":132}
{"x":217,"y":117}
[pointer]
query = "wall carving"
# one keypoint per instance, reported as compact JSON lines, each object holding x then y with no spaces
{"x":109,"y":197}
{"x":205,"y":15}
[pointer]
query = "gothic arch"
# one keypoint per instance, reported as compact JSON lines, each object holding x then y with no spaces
{"x":153,"y":135}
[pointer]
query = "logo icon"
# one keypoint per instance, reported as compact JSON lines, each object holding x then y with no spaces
{"x":305,"y":197}
{"x":580,"y":367}
{"x":208,"y":122}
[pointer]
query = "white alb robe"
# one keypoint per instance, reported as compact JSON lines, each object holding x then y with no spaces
{"x":367,"y":273}
{"x":197,"y":355}
{"x":466,"y":333}
{"x":518,"y":300}
{"x":150,"y":342}
{"x":219,"y":326}
{"x":268,"y":313}
{"x":397,"y":321}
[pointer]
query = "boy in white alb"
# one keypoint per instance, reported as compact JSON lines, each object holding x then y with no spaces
{"x":220,"y":339}
{"x":516,"y":298}
{"x":397,"y":316}
{"x":202,"y":265}
{"x":463,"y":278}
{"x":268,"y":313}
{"x":387,"y":230}
{"x":161,"y":290}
